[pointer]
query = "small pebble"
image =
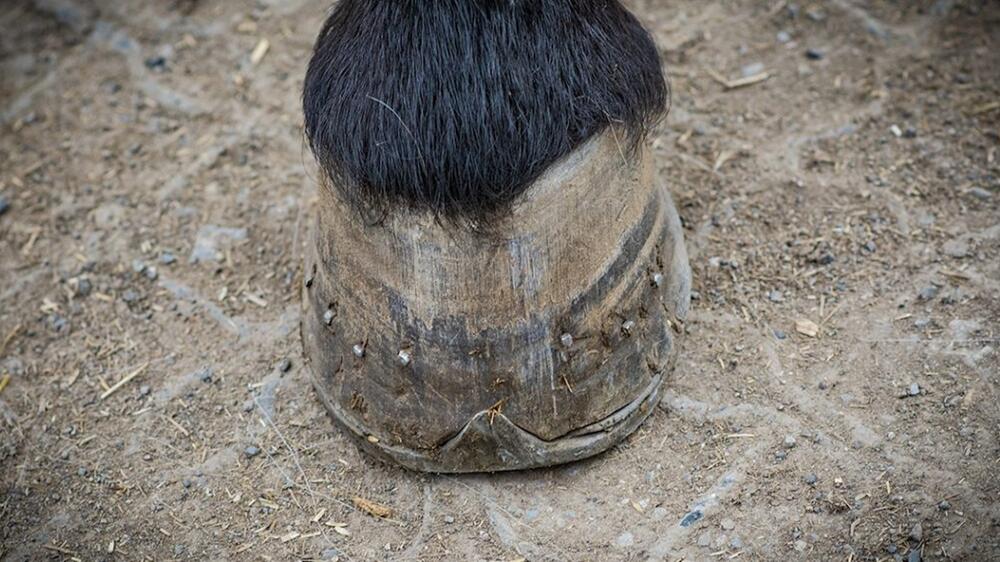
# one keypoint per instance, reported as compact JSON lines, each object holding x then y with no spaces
{"x":914,"y":390}
{"x":780,"y":334}
{"x":945,"y":505}
{"x":811,"y":479}
{"x":83,"y":287}
{"x":977,"y":192}
{"x":449,"y":519}
{"x":151,"y":273}
{"x":927,"y":293}
{"x":727,"y":524}
{"x":130,"y":296}
{"x":869,"y":247}
{"x":328,"y":317}
{"x":776,"y":296}
{"x":914,"y":555}
{"x":705,"y":539}
{"x":815,"y":54}
{"x":891,"y":549}
{"x":156,"y":63}
{"x":285,"y":365}
{"x":167,"y":258}
{"x":144,"y":390}
{"x":780,"y":455}
{"x":789,"y":442}
{"x":330,"y":554}
{"x":917,"y":533}
{"x":4,"y":205}
{"x":800,"y":546}
{"x":566,"y":340}
{"x":783,"y":37}
{"x":251,"y":452}
{"x":186,"y":483}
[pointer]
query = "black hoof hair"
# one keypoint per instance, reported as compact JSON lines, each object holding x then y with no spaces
{"x":457,"y":106}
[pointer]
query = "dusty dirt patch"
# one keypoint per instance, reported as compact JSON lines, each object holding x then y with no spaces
{"x":836,"y":396}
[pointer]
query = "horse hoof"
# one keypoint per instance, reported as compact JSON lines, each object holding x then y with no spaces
{"x":540,"y":340}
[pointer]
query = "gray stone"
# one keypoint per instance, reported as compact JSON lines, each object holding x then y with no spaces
{"x":977,"y":192}
{"x":705,"y":539}
{"x":914,"y":390}
{"x":251,"y":451}
{"x":783,"y":37}
{"x":775,"y":296}
{"x":810,"y":479}
{"x":927,"y":293}
{"x":789,"y":442}
{"x":957,"y":248}
{"x":4,"y":205}
{"x":727,"y":524}
{"x":917,"y":533}
{"x":330,"y":554}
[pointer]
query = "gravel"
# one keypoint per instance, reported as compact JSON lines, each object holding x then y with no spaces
{"x":810,"y":479}
{"x":251,"y":451}
{"x":4,"y":205}
{"x":789,"y":442}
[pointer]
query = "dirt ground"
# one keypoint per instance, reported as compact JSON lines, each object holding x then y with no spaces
{"x":836,"y":396}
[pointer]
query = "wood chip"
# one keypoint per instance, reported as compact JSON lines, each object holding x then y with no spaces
{"x":250,"y":297}
{"x":259,"y":51}
{"x":371,"y":508}
{"x":290,"y":536}
{"x":806,"y":327}
{"x":986,"y":108}
{"x":319,"y":515}
{"x":124,"y":380}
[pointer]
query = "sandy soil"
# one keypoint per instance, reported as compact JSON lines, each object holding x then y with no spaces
{"x":835,"y":397}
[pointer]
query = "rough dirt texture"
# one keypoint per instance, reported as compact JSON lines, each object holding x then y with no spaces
{"x":836,"y":394}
